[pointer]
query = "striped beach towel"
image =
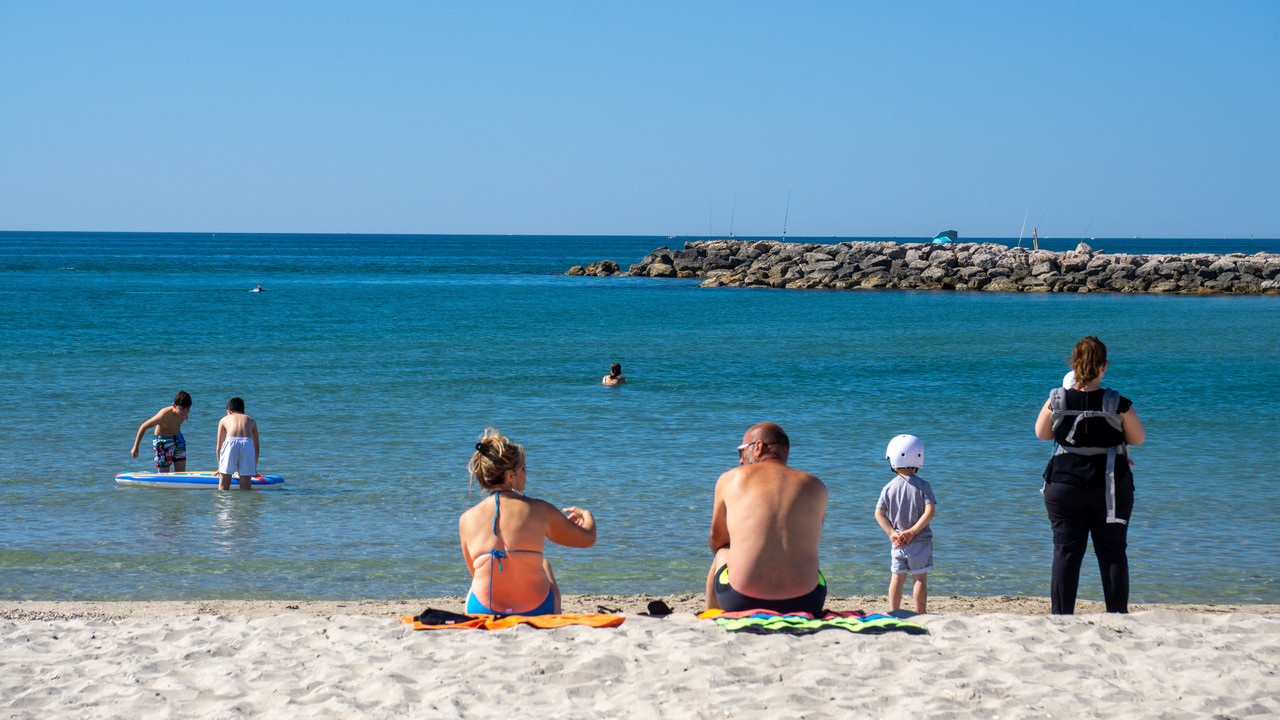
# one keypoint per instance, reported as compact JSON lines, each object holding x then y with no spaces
{"x":764,"y":622}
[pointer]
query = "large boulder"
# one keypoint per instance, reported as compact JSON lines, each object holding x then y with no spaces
{"x":1099,"y":263}
{"x":819,"y":266}
{"x":686,"y":260}
{"x":721,"y":260}
{"x":1151,"y":267}
{"x":984,"y":260}
{"x":661,"y":255}
{"x":1044,"y":267}
{"x":933,"y":274}
{"x":942,"y":258}
{"x":604,"y":268}
{"x":1073,"y":262}
{"x":875,"y":261}
{"x":1222,"y":265}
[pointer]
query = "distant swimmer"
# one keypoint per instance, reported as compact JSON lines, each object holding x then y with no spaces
{"x":615,"y":376}
{"x":257,"y":289}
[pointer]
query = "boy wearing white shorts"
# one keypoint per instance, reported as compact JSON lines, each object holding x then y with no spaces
{"x":904,"y":510}
{"x":237,"y":450}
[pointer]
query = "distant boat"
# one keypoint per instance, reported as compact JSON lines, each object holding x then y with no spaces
{"x":947,"y":236}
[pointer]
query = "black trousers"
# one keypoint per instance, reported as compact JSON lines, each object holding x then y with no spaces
{"x":1076,"y":514}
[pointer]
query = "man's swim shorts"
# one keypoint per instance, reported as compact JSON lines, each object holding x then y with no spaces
{"x":169,"y":449}
{"x":732,"y":600}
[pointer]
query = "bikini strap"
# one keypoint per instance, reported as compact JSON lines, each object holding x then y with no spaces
{"x":497,"y":556}
{"x":497,"y":510}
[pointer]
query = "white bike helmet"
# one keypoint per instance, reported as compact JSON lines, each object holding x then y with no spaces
{"x":905,"y":451}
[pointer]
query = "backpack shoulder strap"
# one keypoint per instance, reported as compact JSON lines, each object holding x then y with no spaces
{"x":1110,"y":401}
{"x":1057,"y":405}
{"x":1110,"y":404}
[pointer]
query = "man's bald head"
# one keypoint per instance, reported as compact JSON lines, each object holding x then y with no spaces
{"x":776,"y":444}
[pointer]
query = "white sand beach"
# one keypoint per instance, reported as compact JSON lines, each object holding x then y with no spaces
{"x":982,"y":658}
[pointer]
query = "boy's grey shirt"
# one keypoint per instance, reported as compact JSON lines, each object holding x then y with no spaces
{"x":903,"y":501}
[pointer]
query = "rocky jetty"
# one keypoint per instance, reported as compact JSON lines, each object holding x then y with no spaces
{"x":949,"y":266}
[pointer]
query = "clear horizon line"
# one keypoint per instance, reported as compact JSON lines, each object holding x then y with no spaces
{"x":788,"y":238}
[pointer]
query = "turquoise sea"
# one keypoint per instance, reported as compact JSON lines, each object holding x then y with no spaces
{"x":373,"y":363}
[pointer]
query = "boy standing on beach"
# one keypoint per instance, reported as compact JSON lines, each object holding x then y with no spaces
{"x":237,"y":450}
{"x":169,"y":445}
{"x":904,"y":510}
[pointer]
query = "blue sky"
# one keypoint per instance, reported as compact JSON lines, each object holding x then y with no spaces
{"x":1156,"y":119}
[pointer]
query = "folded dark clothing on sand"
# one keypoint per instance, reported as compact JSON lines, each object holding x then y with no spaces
{"x":432,"y":616}
{"x":657,"y":608}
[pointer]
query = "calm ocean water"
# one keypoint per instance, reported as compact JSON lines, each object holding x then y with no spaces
{"x":374,"y":362}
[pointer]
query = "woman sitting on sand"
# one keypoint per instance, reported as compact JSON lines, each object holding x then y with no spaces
{"x":503,"y":535}
{"x":1088,"y":487}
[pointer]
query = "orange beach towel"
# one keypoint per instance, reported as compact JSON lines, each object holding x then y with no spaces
{"x":495,"y":622}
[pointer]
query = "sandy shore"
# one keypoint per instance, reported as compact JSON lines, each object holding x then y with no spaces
{"x":982,"y":658}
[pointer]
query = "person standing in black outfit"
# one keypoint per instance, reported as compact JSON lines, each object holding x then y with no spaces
{"x":1088,"y":487}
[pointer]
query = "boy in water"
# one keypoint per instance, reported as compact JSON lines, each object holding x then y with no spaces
{"x":904,"y":510}
{"x":169,"y":445}
{"x":237,"y":450}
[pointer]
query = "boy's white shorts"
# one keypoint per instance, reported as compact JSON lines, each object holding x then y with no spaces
{"x":237,"y":457}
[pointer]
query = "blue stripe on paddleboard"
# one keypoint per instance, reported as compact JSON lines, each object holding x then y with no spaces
{"x":176,"y":480}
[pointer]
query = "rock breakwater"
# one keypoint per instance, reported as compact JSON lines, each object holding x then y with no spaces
{"x":949,"y":266}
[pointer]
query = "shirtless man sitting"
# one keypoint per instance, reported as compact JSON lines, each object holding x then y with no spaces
{"x":765,"y":529}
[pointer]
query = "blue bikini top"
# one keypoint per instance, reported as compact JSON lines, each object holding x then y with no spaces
{"x":495,"y":554}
